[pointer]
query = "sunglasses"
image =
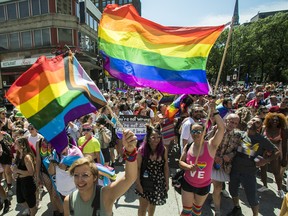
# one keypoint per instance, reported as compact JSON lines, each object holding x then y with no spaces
{"x":30,"y":128}
{"x":196,"y":131}
{"x":86,"y":129}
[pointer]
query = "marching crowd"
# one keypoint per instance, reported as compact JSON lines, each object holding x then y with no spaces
{"x":227,"y":137}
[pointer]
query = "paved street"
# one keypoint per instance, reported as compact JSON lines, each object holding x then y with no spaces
{"x":128,"y":204}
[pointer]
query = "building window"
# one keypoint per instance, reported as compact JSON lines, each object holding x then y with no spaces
{"x":87,"y":19}
{"x":77,"y":10}
{"x":44,"y":6}
{"x":23,"y":9}
{"x":11,"y":10}
{"x":42,"y":37}
{"x":3,"y":42}
{"x":2,"y":13}
{"x":65,"y":36}
{"x":14,"y":41}
{"x":46,"y":37}
{"x":64,"y":7}
{"x":95,"y":25}
{"x":35,"y":7}
{"x":91,"y":23}
{"x":26,"y":39}
{"x":39,"y":7}
{"x":37,"y":38}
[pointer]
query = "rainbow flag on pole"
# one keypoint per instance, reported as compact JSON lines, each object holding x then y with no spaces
{"x":175,"y":106}
{"x":53,"y":92}
{"x":145,"y":54}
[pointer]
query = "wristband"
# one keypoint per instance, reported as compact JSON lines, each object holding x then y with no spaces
{"x":216,"y":113}
{"x":130,"y":156}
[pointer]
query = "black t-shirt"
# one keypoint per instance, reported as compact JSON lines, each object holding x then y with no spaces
{"x":249,"y":148}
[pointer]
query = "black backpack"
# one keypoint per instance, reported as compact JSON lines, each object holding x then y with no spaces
{"x":95,"y":203}
{"x":177,"y":178}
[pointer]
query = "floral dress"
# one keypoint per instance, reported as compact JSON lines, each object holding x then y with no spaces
{"x":158,"y":196}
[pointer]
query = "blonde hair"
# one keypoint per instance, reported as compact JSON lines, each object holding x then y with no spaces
{"x":84,"y":161}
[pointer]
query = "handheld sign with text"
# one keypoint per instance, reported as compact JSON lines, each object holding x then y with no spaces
{"x":134,"y":123}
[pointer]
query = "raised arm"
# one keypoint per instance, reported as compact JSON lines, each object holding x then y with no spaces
{"x":215,"y":141}
{"x":119,"y":187}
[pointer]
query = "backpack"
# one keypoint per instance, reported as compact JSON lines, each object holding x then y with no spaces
{"x":95,"y":203}
{"x":178,"y":176}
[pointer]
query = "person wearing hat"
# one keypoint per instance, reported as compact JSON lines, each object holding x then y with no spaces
{"x":104,"y":135}
{"x":19,"y":120}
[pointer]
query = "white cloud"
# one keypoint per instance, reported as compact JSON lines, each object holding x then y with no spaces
{"x":215,"y":20}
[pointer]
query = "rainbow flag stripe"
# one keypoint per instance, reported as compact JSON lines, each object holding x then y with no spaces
{"x":53,"y":92}
{"x":145,"y":54}
{"x":174,"y":107}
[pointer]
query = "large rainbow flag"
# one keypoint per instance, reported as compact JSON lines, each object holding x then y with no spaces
{"x":53,"y":92}
{"x":145,"y":54}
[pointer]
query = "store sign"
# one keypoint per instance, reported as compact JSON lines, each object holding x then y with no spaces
{"x":18,"y":62}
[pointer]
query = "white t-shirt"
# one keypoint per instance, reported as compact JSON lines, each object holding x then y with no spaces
{"x":185,"y":132}
{"x":33,"y":140}
{"x":64,"y":182}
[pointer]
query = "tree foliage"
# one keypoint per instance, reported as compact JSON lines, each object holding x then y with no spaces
{"x":257,"y":48}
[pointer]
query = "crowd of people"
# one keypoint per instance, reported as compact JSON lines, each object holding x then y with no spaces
{"x":227,"y":137}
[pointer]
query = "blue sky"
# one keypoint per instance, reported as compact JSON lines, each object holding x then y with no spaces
{"x":205,"y":12}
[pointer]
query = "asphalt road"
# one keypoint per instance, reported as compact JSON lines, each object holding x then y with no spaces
{"x":128,"y":204}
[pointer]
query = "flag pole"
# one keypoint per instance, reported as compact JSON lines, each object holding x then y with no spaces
{"x":217,"y":82}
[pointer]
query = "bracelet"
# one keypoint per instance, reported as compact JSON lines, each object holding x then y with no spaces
{"x":216,"y":113}
{"x":130,"y":156}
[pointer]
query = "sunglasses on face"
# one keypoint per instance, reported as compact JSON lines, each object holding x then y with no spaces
{"x":196,"y":131}
{"x":30,"y":128}
{"x":86,"y":129}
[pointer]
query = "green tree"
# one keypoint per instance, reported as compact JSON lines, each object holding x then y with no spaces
{"x":257,"y":48}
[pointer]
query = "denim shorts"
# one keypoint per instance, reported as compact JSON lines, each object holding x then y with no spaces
{"x":249,"y":183}
{"x":199,"y":191}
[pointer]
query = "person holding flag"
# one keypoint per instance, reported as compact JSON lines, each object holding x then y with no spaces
{"x":197,"y":161}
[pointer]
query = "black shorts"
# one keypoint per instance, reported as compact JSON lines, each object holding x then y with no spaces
{"x":25,"y":191}
{"x":106,"y":154}
{"x":199,"y":191}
